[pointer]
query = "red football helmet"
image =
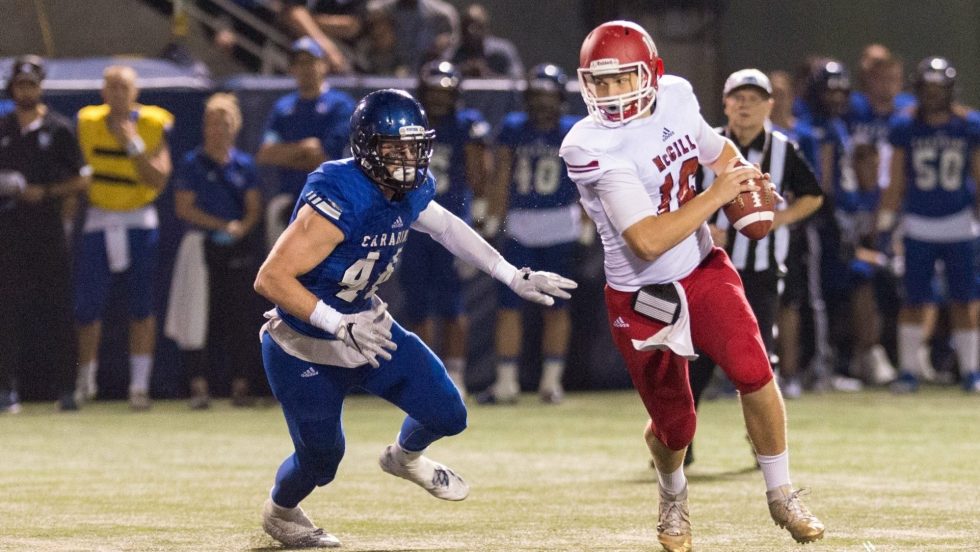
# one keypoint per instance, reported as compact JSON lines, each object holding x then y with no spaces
{"x":613,"y":48}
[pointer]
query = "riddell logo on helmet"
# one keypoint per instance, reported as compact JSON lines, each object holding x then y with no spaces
{"x":411,"y":131}
{"x":605,"y":64}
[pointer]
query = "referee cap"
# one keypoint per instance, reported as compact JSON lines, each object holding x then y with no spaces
{"x":747,"y":77}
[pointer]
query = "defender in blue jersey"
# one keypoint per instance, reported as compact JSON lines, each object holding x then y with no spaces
{"x":304,"y":129}
{"x":542,"y":226}
{"x":937,"y":151}
{"x":330,"y":333}
{"x":430,"y":275}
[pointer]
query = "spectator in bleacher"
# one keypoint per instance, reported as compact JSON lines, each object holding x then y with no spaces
{"x":376,"y":52}
{"x":341,"y":20}
{"x":425,"y":30}
{"x":305,"y":128}
{"x":481,"y":54}
{"x":303,"y":18}
{"x":126,"y":145}
{"x":213,"y":309}
{"x":227,"y":33}
{"x":40,"y":165}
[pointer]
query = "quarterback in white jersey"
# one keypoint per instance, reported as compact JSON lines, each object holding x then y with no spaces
{"x":669,"y":289}
{"x":645,"y":168}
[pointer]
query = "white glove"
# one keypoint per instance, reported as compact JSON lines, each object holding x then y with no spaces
{"x":541,"y":287}
{"x":365,"y":331}
{"x":12,"y":183}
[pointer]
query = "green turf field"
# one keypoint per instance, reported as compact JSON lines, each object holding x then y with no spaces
{"x":897,"y":473}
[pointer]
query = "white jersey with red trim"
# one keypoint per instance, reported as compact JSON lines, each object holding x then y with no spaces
{"x":643,"y":168}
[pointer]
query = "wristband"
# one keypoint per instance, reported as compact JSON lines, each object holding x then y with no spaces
{"x":325,"y":317}
{"x":504,"y":272}
{"x":135,"y":146}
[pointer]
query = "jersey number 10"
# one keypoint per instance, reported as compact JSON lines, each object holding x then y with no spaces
{"x":685,"y":192}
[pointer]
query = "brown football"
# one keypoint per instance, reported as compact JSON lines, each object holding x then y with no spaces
{"x":751,"y":213}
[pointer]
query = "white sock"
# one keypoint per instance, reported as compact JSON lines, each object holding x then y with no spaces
{"x":775,"y":469}
{"x":967,"y":345}
{"x":507,"y":376}
{"x":140,"y":367}
{"x":910,"y":339}
{"x":455,"y":365}
{"x":551,"y":373}
{"x":672,"y":484}
{"x":401,"y":455}
{"x":87,"y":374}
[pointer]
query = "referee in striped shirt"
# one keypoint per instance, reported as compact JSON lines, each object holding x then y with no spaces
{"x":747,"y":98}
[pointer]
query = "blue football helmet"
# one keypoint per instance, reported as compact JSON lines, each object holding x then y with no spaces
{"x":547,"y":77}
{"x":438,"y":88}
{"x":826,"y":74}
{"x":939,"y":72}
{"x":935,"y":70}
{"x":387,"y":118}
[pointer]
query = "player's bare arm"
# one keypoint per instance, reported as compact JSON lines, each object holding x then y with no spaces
{"x":154,"y":167}
{"x":801,"y":208}
{"x":304,"y":155}
{"x":654,"y":235}
{"x":892,"y":197}
{"x":304,"y":244}
{"x":498,"y":194}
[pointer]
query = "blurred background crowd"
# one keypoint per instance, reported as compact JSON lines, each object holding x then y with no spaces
{"x":151,"y":151}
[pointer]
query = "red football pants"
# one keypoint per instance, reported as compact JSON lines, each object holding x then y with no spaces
{"x":722,"y":327}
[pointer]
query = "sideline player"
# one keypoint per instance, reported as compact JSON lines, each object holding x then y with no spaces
{"x":331,"y":333}
{"x":668,"y":290}
{"x":428,"y":273}
{"x":543,"y":224}
{"x":937,"y":149}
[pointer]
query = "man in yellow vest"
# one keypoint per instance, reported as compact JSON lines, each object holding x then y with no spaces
{"x":125,"y":144}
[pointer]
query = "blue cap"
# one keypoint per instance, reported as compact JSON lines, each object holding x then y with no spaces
{"x":307,"y":45}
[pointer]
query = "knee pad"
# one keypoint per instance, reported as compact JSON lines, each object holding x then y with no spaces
{"x":319,"y":455}
{"x":676,"y":430}
{"x":455,"y":421}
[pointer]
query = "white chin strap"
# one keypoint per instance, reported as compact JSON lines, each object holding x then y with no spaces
{"x":403,"y":174}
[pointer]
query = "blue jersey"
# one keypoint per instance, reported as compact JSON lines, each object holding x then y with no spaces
{"x":539,"y":179}
{"x":802,"y":135}
{"x":448,"y":162}
{"x":375,"y":230}
{"x":292,"y":119}
{"x":219,"y":189}
{"x":868,"y":127}
{"x":834,"y":132}
{"x":937,"y":163}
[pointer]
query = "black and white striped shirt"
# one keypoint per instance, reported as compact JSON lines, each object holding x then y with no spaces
{"x":793,"y":177}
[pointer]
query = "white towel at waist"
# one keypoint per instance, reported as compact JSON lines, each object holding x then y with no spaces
{"x":187,"y":305}
{"x":676,"y":336}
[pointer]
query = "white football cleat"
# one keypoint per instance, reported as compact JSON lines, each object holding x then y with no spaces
{"x":878,"y":367}
{"x":440,"y":481}
{"x":291,"y":527}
